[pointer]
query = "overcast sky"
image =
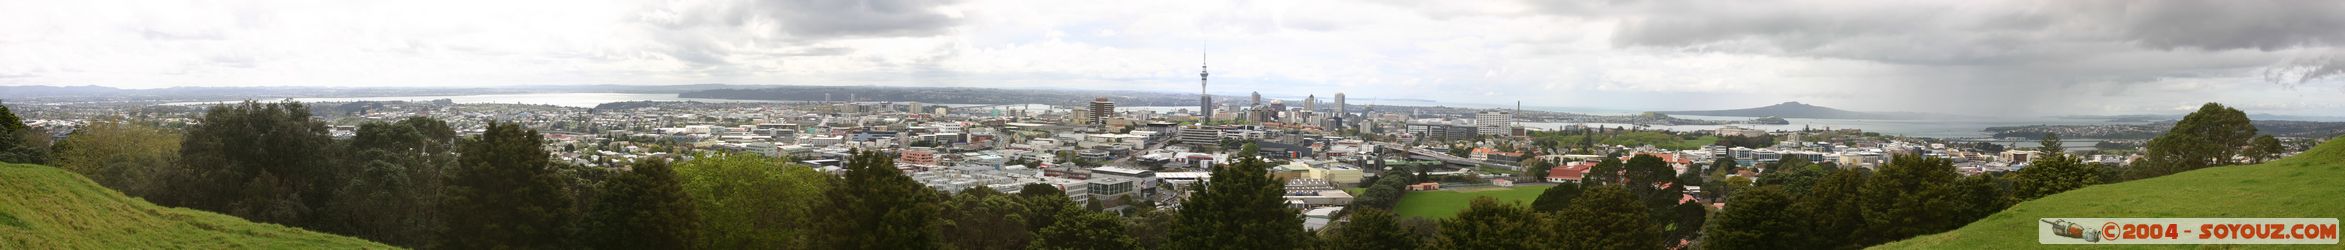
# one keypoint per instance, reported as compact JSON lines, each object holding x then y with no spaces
{"x":1971,"y":56}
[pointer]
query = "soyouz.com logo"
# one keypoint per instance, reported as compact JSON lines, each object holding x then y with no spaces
{"x":2186,"y":231}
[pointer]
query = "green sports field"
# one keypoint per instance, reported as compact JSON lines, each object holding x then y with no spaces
{"x":1445,"y":203}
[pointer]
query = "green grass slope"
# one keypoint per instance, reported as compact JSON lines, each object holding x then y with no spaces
{"x":2309,"y":185}
{"x":1443,"y":204}
{"x":44,"y":207}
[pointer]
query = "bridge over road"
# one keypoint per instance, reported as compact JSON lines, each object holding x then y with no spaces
{"x":1419,"y":153}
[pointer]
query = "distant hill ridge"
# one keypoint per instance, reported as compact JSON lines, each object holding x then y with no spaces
{"x":44,"y":207}
{"x":1798,"y":110}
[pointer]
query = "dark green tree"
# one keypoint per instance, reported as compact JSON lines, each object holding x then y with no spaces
{"x":981,"y":218}
{"x":1084,"y":230}
{"x":2051,"y":145}
{"x":1606,"y":172}
{"x":1725,"y":164}
{"x":1759,"y":218}
{"x":1827,"y":209}
{"x":1607,"y":217}
{"x":1383,"y":194}
{"x":1794,"y":173}
{"x":1152,"y":228}
{"x":2053,"y":173}
{"x":643,"y":208}
{"x":1691,"y":177}
{"x":20,"y":143}
{"x":1040,"y":190}
{"x":1690,"y":218}
{"x":2206,"y":138}
{"x":2265,"y":148}
{"x":393,"y":196}
{"x":1652,"y":181}
{"x":1646,"y":171}
{"x":1912,"y":195}
{"x":877,"y":207}
{"x":1536,"y":169}
{"x":1240,"y":208}
{"x":1039,"y":205}
{"x":1488,"y":224}
{"x":1556,"y":198}
{"x":1976,"y":197}
{"x":264,"y":162}
{"x":1373,"y":229}
{"x":505,"y":194}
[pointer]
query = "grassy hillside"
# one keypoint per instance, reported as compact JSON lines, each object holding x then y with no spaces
{"x":2303,"y":186}
{"x":48,"y":208}
{"x":1442,"y":204}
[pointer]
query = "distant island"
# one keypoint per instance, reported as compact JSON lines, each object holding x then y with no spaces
{"x":1799,"y":110}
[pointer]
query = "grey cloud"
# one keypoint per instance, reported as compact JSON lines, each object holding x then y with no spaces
{"x":2006,"y":51}
{"x":2216,"y":25}
{"x":1976,"y":32}
{"x":819,"y":51}
{"x":814,"y":19}
{"x":706,"y":34}
{"x":859,"y":17}
{"x":2305,"y":70}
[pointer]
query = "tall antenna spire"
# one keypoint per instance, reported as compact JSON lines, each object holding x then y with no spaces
{"x":1204,"y":99}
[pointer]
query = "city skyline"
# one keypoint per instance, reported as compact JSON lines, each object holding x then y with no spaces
{"x":1069,"y":124}
{"x":1992,"y":58}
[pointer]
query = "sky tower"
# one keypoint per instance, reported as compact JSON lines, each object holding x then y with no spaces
{"x":1204,"y":100}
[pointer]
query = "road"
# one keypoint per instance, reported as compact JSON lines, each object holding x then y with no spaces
{"x":1445,"y":157}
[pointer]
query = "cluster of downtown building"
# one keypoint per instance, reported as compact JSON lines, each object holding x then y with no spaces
{"x":1094,"y":151}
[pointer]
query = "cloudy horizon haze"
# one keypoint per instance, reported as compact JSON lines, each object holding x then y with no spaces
{"x":1961,"y":57}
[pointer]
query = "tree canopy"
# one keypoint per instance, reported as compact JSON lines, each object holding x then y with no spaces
{"x":883,"y":210}
{"x":1489,"y":224}
{"x":1373,"y":229}
{"x":20,"y":143}
{"x":2205,"y":138}
{"x":2053,"y":173}
{"x":1556,"y":198}
{"x":134,"y":158}
{"x":265,"y":162}
{"x":1760,"y":218}
{"x":1607,"y":217}
{"x":643,"y":208}
{"x":505,"y":194}
{"x":1241,"y":207}
{"x":749,"y":201}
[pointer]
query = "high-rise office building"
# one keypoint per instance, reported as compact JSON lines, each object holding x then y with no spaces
{"x":1277,"y":107}
{"x":1311,"y":103}
{"x":1339,"y":110}
{"x":1101,"y":109}
{"x":1494,"y":122}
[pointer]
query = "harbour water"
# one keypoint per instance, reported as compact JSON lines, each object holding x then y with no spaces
{"x":1952,"y":128}
{"x":577,"y":100}
{"x":580,"y":100}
